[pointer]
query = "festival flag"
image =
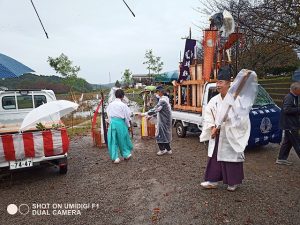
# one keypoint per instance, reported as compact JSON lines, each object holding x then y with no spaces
{"x":189,"y":54}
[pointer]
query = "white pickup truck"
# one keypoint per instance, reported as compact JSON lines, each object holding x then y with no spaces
{"x":264,"y":117}
{"x":30,"y":148}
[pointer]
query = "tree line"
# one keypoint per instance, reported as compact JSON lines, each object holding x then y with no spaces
{"x":271,"y":32}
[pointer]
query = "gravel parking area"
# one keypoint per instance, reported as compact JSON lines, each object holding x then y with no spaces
{"x":149,"y":189}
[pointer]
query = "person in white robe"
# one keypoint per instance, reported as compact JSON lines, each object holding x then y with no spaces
{"x":118,"y":135}
{"x":228,"y":132}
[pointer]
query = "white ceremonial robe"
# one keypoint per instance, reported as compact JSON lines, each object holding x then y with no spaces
{"x":118,"y":109}
{"x":232,"y":140}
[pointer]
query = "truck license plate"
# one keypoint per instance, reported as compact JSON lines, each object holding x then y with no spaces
{"x":22,"y":163}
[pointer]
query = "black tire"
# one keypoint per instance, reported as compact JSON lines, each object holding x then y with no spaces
{"x":63,"y":169}
{"x":180,"y":130}
{"x":63,"y":166}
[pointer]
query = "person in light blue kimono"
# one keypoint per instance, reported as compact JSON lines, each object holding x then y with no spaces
{"x":164,"y":122}
{"x":118,"y":135}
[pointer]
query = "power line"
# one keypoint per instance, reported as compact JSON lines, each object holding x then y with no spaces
{"x":128,"y":8}
{"x":39,"y":19}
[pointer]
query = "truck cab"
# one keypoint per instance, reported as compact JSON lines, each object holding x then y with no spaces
{"x":15,"y":104}
{"x":264,"y":118}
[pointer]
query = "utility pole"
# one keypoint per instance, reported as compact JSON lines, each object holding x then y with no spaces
{"x":180,"y":57}
{"x":109,"y":77}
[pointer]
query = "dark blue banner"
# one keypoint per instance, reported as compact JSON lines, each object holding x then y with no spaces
{"x":189,"y":54}
{"x":264,"y":126}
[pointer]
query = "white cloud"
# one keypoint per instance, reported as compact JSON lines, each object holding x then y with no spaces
{"x":101,"y":37}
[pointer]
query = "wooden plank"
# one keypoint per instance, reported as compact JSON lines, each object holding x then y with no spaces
{"x":197,"y":73}
{"x":175,"y":94}
{"x":194,"y":86}
{"x":194,"y":94}
{"x":188,"y":108}
{"x":179,"y":95}
{"x":192,"y":72}
{"x":190,"y":82}
{"x":199,"y":87}
{"x":199,"y":95}
{"x":188,"y":96}
{"x":176,"y":106}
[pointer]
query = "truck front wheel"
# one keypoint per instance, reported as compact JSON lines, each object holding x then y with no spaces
{"x":180,"y":130}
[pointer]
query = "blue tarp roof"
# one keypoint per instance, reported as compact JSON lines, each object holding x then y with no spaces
{"x":10,"y":67}
{"x":167,"y":76}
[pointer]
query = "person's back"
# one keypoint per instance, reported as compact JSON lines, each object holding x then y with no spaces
{"x":166,"y":109}
{"x":116,"y":109}
{"x":117,"y":135}
{"x":289,"y":118}
{"x":290,"y":123}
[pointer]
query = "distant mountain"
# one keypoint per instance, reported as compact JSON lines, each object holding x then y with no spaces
{"x":101,"y":86}
{"x":109,"y":85}
{"x":55,"y":83}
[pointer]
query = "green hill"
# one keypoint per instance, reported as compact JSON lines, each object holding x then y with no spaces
{"x":55,"y":83}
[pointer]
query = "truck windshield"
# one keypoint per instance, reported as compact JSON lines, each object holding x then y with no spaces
{"x":263,"y":98}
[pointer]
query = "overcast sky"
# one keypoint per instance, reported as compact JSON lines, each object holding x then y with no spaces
{"x":100,"y":36}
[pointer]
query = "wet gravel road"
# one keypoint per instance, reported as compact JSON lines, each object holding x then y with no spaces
{"x":149,"y":189}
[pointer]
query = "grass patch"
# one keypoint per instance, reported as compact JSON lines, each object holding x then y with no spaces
{"x":86,"y":96}
{"x":69,"y":121}
{"x":78,"y":131}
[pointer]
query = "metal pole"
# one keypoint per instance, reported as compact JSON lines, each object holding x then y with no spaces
{"x":238,"y":42}
{"x":103,"y":119}
{"x":180,"y":57}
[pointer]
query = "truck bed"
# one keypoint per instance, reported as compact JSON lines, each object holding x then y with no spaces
{"x":37,"y":144}
{"x":187,"y":117}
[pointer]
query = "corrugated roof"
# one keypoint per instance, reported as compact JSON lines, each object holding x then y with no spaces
{"x":10,"y":67}
{"x":167,"y":76}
